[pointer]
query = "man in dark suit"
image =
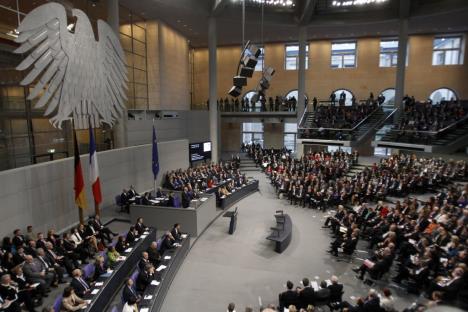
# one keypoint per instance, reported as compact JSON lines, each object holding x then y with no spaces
{"x":9,"y":291}
{"x":186,"y":198}
{"x":144,"y":278}
{"x":140,"y":226}
{"x":336,"y":293}
{"x":153,"y":254}
{"x":144,"y":261}
{"x":372,"y":302}
{"x":167,"y":243}
{"x":452,"y":287}
{"x":40,"y":243}
{"x":322,"y":296}
{"x":80,"y":286}
{"x":30,"y":248}
{"x":98,"y":226}
{"x":131,"y":235}
{"x":176,"y":232}
{"x":129,"y":293}
{"x":289,"y":297}
{"x":124,"y":200}
{"x":18,"y":238}
{"x":306,"y":294}
{"x":36,"y":272}
{"x":51,"y":264}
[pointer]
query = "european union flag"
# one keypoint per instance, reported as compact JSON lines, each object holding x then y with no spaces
{"x":155,"y":155}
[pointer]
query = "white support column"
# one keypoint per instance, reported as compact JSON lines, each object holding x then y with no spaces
{"x":214,"y":125}
{"x":401,"y":64}
{"x":301,"y":82}
{"x":120,"y":128}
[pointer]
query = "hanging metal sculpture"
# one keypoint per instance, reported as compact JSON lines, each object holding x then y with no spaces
{"x":75,"y":76}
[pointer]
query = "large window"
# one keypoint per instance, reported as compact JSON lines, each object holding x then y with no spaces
{"x":447,"y":50}
{"x":290,"y":135}
{"x":442,"y":94}
{"x":261,"y":60}
{"x":343,"y":54}
{"x":248,"y":97}
{"x":389,"y":95}
{"x":346,"y":94}
{"x":294,"y":93}
{"x":332,"y":149}
{"x":388,"y":53}
{"x":291,"y":60}
{"x":252,"y":133}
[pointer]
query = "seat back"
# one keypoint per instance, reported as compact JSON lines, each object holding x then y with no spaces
{"x":134,"y":276}
{"x":177,"y":203}
{"x":57,"y":303}
{"x":88,"y":270}
{"x":118,"y":200}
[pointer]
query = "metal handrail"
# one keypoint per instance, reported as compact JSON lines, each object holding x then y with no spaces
{"x":432,"y":132}
{"x":346,"y":129}
{"x":377,"y":127}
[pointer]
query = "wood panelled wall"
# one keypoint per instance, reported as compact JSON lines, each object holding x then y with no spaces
{"x":421,"y":77}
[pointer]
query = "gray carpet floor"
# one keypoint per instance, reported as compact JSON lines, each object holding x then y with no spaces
{"x":243,"y":268}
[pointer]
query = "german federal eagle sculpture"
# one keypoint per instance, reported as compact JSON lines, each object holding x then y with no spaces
{"x":75,"y":76}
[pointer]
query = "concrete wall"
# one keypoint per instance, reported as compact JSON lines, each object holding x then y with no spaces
{"x":168,"y":68}
{"x":42,"y":195}
{"x":421,"y":77}
{"x":191,"y":125}
{"x":231,"y":135}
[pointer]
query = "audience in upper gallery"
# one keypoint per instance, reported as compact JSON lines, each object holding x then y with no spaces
{"x":341,"y":117}
{"x":426,"y":239}
{"x":424,"y":116}
{"x":280,"y":103}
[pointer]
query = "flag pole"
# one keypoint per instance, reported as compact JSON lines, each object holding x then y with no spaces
{"x":154,"y":178}
{"x":80,"y":210}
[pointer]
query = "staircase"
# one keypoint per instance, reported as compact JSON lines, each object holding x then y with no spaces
{"x":354,"y":169}
{"x":366,"y":130}
{"x":247,"y":164}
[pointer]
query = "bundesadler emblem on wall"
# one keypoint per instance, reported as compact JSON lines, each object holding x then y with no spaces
{"x":75,"y":76}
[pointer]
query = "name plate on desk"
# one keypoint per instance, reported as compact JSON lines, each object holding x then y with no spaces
{"x":95,"y":291}
{"x":184,"y":235}
{"x":128,"y":249}
{"x":154,"y":283}
{"x":161,"y":267}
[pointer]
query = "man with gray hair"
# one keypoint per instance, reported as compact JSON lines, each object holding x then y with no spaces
{"x":36,"y":272}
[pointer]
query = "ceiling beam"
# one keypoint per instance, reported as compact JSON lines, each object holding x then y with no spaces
{"x":218,"y":6}
{"x":307,"y":12}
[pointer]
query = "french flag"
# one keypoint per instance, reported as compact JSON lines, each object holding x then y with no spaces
{"x":94,"y":168}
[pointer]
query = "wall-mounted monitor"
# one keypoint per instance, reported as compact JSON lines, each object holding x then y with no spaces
{"x":199,"y":151}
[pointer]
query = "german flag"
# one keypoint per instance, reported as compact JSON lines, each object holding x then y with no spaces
{"x":80,"y":198}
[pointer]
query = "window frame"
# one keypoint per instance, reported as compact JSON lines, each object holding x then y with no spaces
{"x":288,"y":133}
{"x":296,"y":58}
{"x":343,"y":54}
{"x":460,"y":49}
{"x":253,"y":133}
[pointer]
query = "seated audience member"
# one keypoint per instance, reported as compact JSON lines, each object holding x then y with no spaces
{"x":288,"y":297}
{"x":322,"y":296}
{"x":130,"y":305}
{"x":144,"y":260}
{"x":125,"y":200}
{"x":144,"y":278}
{"x":121,"y":245}
{"x":176,"y":232}
{"x":132,"y":235}
{"x":168,"y":242}
{"x":186,"y":198}
{"x":9,"y":291}
{"x":35,"y":291}
{"x":129,"y":293}
{"x":372,"y":301}
{"x":90,"y":231}
{"x":153,"y":254}
{"x":387,"y":303}
{"x":49,"y":265}
{"x":140,"y":227}
{"x":18,"y":239}
{"x":170,"y":199}
{"x":30,"y":235}
{"x":7,"y":305}
{"x":36,"y":272}
{"x":89,"y":238}
{"x":306,"y":294}
{"x":231,"y":307}
{"x":100,"y":267}
{"x":336,"y":292}
{"x":81,"y":287}
{"x":98,"y":226}
{"x":292,"y":308}
{"x":72,"y":302}
{"x":112,"y":256}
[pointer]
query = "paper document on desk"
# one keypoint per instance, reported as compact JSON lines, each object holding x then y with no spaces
{"x":148,"y":297}
{"x":167,"y":257}
{"x":88,"y":301}
{"x":144,"y":310}
{"x":154,"y":282}
{"x":143,"y":236}
{"x":35,"y":285}
{"x":95,"y":291}
{"x":184,"y":235}
{"x":154,"y":201}
{"x":99,"y":284}
{"x":203,"y":199}
{"x":161,"y":267}
{"x":146,"y":232}
{"x":128,"y":249}
{"x":121,"y":258}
